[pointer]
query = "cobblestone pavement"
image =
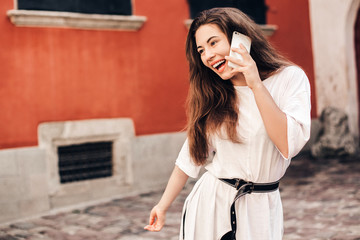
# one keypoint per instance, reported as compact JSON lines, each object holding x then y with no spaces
{"x":321,"y":200}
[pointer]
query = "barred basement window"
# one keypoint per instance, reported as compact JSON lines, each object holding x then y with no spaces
{"x":85,"y":161}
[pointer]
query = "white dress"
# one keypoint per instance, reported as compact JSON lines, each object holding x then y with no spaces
{"x":256,"y":159}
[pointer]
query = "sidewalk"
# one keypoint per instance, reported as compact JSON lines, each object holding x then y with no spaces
{"x":321,"y":200}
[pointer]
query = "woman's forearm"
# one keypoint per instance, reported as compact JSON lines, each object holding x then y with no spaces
{"x":274,"y":119}
{"x":176,"y":183}
{"x":158,"y":214}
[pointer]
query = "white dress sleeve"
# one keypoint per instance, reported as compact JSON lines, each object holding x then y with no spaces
{"x":185,"y":163}
{"x":296,"y":104}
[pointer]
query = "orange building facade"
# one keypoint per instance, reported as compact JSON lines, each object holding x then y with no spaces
{"x":57,"y":74}
{"x":70,"y":87}
{"x":73,"y":87}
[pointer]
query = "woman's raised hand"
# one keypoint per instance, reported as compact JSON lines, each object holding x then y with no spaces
{"x":247,"y":67}
{"x":156,"y":220}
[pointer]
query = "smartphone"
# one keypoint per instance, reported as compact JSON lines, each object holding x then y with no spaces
{"x":236,"y":39}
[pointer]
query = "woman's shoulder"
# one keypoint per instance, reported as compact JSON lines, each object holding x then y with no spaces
{"x":291,"y":75}
{"x":291,"y":70}
{"x":294,"y":79}
{"x":286,"y":72}
{"x":287,"y":78}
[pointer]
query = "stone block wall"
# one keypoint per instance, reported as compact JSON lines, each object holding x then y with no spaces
{"x":28,"y":187}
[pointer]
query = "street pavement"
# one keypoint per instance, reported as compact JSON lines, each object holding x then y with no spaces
{"x":321,"y":201}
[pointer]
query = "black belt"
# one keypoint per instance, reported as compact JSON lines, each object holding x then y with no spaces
{"x":243,"y":188}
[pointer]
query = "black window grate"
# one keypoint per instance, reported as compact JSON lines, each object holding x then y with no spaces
{"x":85,"y":161}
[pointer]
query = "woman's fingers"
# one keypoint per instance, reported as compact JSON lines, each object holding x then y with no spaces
{"x":151,"y":219}
{"x":156,"y":220}
{"x":234,"y":60}
{"x":246,"y":66}
{"x":246,"y":58}
{"x":242,"y":51}
{"x":155,"y":227}
{"x":151,"y":228}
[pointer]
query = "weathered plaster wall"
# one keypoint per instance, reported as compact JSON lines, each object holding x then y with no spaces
{"x":332,"y":26}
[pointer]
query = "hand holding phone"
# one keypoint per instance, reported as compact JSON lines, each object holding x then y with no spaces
{"x":236,"y":39}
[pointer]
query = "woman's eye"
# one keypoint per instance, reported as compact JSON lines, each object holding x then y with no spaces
{"x":201,"y":51}
{"x":213,"y":43}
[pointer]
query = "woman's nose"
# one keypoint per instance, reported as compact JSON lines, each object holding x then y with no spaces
{"x":209,"y":55}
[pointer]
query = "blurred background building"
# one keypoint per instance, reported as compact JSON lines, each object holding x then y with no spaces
{"x":93,"y":92}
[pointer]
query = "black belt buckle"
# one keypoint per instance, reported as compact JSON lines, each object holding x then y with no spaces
{"x":251,"y":187}
{"x":247,"y":187}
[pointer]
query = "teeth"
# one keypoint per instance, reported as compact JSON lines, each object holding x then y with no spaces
{"x":218,"y":63}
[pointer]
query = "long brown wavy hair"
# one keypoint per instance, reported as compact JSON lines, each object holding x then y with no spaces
{"x":212,"y":102}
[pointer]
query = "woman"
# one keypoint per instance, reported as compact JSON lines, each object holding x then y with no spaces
{"x":252,"y":118}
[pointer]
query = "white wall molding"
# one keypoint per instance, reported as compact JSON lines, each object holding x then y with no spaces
{"x":268,"y":29}
{"x":75,"y":20}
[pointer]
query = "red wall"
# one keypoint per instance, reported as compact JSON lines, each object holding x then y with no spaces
{"x":53,"y":74}
{"x":293,"y":37}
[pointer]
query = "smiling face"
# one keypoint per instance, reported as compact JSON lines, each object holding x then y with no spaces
{"x":213,"y":45}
